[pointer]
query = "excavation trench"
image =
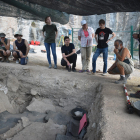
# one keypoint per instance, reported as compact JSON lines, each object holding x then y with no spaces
{"x":34,"y":99}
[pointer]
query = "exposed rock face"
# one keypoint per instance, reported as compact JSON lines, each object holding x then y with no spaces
{"x":32,"y":30}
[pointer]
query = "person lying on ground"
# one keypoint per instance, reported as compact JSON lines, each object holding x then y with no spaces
{"x":4,"y":48}
{"x":101,"y":37}
{"x":85,"y":35}
{"x":68,"y":54}
{"x":123,"y":65}
{"x":20,"y":46}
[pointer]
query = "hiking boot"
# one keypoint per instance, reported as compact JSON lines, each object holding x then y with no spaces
{"x":50,"y":66}
{"x":127,"y":76}
{"x":122,"y":80}
{"x":69,"y":69}
{"x":17,"y":61}
{"x":88,"y":70}
{"x":55,"y":66}
{"x":73,"y":69}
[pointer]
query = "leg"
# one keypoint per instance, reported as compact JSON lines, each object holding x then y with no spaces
{"x":105,"y":56}
{"x":95,"y":56}
{"x":3,"y":55}
{"x":8,"y":53}
{"x":53,"y":47}
{"x":83,"y":57}
{"x":121,"y":69}
{"x":47,"y":45}
{"x":63,"y":62}
{"x":88,"y":55}
{"x":73,"y":59}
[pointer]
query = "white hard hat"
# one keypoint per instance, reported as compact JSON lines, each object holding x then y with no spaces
{"x":17,"y":33}
{"x":83,"y":22}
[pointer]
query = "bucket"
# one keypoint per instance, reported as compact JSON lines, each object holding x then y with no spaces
{"x":23,"y":61}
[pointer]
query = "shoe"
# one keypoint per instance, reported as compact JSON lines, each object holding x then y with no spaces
{"x":55,"y":66}
{"x":87,"y":70}
{"x":73,"y":69}
{"x":81,"y":71}
{"x":122,"y":80}
{"x":69,"y":69}
{"x":3,"y":59}
{"x":8,"y":61}
{"x":127,"y":76}
{"x":104,"y":74}
{"x":17,"y":61}
{"x":91,"y":73}
{"x":50,"y":66}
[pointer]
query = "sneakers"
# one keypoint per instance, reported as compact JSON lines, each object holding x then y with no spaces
{"x":91,"y":73}
{"x":104,"y":74}
{"x":50,"y":66}
{"x":17,"y":61}
{"x":122,"y":80}
{"x":81,"y":71}
{"x":7,"y":60}
{"x":55,"y":66}
{"x":127,"y":76}
{"x":3,"y":59}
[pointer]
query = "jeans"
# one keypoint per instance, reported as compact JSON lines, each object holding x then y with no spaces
{"x":53,"y":48}
{"x":71,"y":59}
{"x":95,"y":56}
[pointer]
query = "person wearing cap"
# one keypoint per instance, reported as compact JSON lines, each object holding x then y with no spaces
{"x":50,"y":36}
{"x":21,"y":47}
{"x":4,"y":48}
{"x":102,"y":39}
{"x":85,"y":35}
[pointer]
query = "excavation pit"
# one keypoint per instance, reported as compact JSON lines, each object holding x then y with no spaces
{"x":40,"y":98}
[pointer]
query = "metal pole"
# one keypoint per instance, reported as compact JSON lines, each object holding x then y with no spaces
{"x":72,"y":35}
{"x":132,"y":41}
{"x":139,"y":47}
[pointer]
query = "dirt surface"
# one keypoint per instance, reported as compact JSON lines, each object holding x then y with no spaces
{"x":119,"y":125}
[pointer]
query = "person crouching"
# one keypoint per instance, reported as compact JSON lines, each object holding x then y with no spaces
{"x":68,"y":54}
{"x":124,"y":65}
{"x":20,"y":46}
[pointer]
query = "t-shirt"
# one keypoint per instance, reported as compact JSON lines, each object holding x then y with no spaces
{"x":103,"y":35}
{"x":50,"y":33}
{"x":67,"y":49}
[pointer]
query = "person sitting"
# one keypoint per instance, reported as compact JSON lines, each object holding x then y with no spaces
{"x":68,"y":54}
{"x":21,"y":47}
{"x":4,"y":48}
{"x":123,"y":65}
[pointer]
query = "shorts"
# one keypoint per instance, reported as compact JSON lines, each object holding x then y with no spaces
{"x":18,"y":54}
{"x":127,"y":68}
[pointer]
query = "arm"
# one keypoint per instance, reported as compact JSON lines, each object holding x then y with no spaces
{"x":56,"y":33}
{"x":43,"y":33}
{"x":113,"y":35}
{"x":124,"y":54}
{"x":15,"y":47}
{"x":93,"y":35}
{"x":73,"y":52}
{"x":64,"y":57}
{"x":27,"y":48}
{"x":113,"y":66}
{"x":79,"y":38}
{"x":96,"y":35}
{"x":8,"y":44}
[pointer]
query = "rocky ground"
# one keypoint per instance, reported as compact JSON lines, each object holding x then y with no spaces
{"x":36,"y":101}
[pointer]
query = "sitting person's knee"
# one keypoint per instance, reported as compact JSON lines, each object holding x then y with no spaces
{"x":14,"y":53}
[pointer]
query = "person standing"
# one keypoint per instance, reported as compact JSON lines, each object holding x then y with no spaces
{"x":85,"y":35}
{"x":51,"y":34}
{"x":4,"y":48}
{"x":101,"y":37}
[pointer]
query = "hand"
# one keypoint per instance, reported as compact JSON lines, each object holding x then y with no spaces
{"x":23,"y":56}
{"x":115,"y":50}
{"x":107,"y":41}
{"x":65,"y":56}
{"x":68,"y":63}
{"x":2,"y":41}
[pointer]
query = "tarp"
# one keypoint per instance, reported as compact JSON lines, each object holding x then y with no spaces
{"x":59,"y":10}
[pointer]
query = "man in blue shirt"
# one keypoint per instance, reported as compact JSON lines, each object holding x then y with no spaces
{"x":68,"y":54}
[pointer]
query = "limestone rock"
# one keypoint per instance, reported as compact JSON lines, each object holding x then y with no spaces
{"x":25,"y":121}
{"x":41,"y":105}
{"x":33,"y":92}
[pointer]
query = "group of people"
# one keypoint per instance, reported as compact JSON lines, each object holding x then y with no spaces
{"x":20,"y":47}
{"x":123,"y":65}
